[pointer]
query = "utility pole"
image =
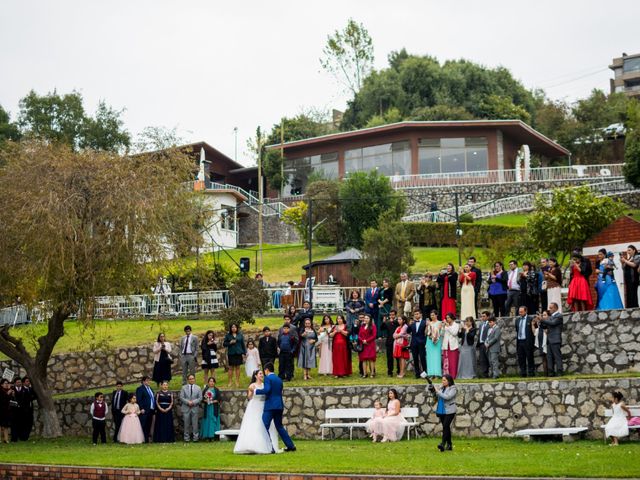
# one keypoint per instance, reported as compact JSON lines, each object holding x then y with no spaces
{"x":260,"y":201}
{"x":235,"y":155}
{"x":310,"y":234}
{"x":281,"y":156}
{"x":458,"y":231}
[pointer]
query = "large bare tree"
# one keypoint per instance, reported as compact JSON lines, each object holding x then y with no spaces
{"x":75,"y":225}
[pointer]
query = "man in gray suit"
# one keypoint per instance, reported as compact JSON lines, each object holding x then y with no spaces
{"x":190,"y":397}
{"x":492,"y":344}
{"x":553,"y":326}
{"x":188,"y":353}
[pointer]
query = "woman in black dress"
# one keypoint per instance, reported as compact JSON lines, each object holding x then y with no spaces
{"x":161,"y":360}
{"x":163,"y":431}
{"x":209,"y":350}
{"x":6,"y":395}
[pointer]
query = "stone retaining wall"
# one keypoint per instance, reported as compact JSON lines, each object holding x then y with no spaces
{"x":593,"y":342}
{"x":485,"y":409}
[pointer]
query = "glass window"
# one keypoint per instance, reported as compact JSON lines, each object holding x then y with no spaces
{"x":227,"y":217}
{"x":452,"y":160}
{"x":453,"y":155}
{"x":297,"y":170}
{"x":631,"y":64}
{"x":429,"y":159}
{"x":401,"y":158}
{"x":477,"y":159}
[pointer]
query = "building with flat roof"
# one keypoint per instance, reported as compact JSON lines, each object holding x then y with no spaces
{"x":626,"y":75}
{"x":415,"y":148}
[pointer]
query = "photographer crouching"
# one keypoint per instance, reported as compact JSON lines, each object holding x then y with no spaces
{"x":445,"y":408}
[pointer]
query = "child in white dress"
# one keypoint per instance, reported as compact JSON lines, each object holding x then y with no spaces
{"x":617,"y":426}
{"x":374,"y":424}
{"x":130,"y":429}
{"x":252,"y":361}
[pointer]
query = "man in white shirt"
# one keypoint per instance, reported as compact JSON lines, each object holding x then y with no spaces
{"x":191,"y":396}
{"x":188,"y":353}
{"x":513,"y":287}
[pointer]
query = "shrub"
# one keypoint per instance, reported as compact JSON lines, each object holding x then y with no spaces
{"x":444,"y":234}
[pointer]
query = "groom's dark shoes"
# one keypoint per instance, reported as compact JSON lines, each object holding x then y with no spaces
{"x":292,"y":449}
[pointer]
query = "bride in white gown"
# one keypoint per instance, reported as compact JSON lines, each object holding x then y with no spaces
{"x":253,"y":437}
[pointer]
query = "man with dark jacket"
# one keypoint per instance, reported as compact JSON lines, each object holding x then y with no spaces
{"x":302,"y":315}
{"x":389,"y":326}
{"x":483,"y":358}
{"x":478,"y":283}
{"x":267,"y":347}
{"x":418,"y":343}
{"x":287,"y":342}
{"x":524,"y":343}
{"x":147,"y":404}
{"x":119,"y":398}
{"x":553,"y":325}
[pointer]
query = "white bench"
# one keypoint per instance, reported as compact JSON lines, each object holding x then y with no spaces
{"x":566,"y":432}
{"x":358,"y":418}
{"x":635,"y":412}
{"x":229,"y":432}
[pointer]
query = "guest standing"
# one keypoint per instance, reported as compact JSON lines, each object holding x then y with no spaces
{"x":492,"y":344}
{"x":340,"y":355}
{"x":385,"y":302}
{"x":354,"y":308}
{"x":188,"y":353}
{"x":98,"y":412}
{"x":513,"y":287}
{"x":252,"y":360}
{"x":418,"y":331}
{"x":147,"y":406}
{"x":163,"y":431}
{"x":305,"y":312}
{"x":190,"y":397}
{"x":371,"y":295}
{"x":401,"y":345}
{"x":434,"y":345}
{"x":131,"y":431}
{"x":553,"y":277}
{"x":483,"y":358}
{"x":630,"y":264}
{"x":267,"y":347}
{"x":234,"y":343}
{"x":606,"y":287}
{"x":524,"y":343}
{"x":427,"y":295}
{"x":450,"y":346}
{"x":211,"y":419}
{"x":162,"y":360}
{"x":6,"y":396}
{"x":529,"y":293}
{"x":367,"y":336}
{"x":446,"y":410}
{"x":404,"y":294}
{"x":447,"y":281}
{"x":498,"y":289}
{"x":389,"y":326}
{"x":467,"y":292}
{"x":307,"y":355}
{"x":119,"y":399}
{"x":542,"y":283}
{"x":579,"y":296}
{"x":467,"y":361}
{"x":325,"y":366}
{"x":209,"y":353}
{"x":30,"y":397}
{"x":286,"y":346}
{"x":478,"y":283}
{"x":540,"y":341}
{"x":552,"y":321}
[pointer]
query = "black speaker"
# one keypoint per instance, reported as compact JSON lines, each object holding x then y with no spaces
{"x":245,"y":264}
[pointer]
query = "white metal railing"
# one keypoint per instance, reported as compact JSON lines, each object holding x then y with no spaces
{"x":15,"y":315}
{"x":542,"y":174}
{"x":270,"y":207}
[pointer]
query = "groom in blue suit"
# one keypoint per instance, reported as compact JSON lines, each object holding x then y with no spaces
{"x":273,"y":406}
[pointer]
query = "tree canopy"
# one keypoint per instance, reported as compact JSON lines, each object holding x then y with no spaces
{"x":632,"y":145}
{"x":8,"y":129}
{"x":62,"y":119}
{"x":86,"y":228}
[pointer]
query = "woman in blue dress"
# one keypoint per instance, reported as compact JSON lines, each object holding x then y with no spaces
{"x":211,"y":420}
{"x":163,"y":425}
{"x":434,"y":345}
{"x":606,"y":287}
{"x":354,"y":307}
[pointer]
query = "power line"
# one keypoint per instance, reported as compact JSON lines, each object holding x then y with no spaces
{"x":576,"y":79}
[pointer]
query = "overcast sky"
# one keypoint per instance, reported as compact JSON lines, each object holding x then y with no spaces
{"x":206,"y":67}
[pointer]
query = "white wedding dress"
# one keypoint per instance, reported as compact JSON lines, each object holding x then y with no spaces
{"x":253,"y":437}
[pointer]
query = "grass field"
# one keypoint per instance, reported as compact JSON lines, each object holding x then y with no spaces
{"x":477,"y":457}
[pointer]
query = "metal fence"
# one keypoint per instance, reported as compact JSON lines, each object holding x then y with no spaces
{"x":15,"y":315}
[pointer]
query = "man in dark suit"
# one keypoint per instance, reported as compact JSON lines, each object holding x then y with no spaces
{"x":302,"y":315}
{"x":119,"y":399}
{"x":478,"y":282}
{"x":524,"y":343}
{"x":418,"y":343}
{"x":483,"y":358}
{"x":553,"y":325}
{"x":274,"y":406}
{"x":371,"y":296}
{"x":31,"y":397}
{"x":267,"y":347}
{"x":147,"y":404}
{"x":19,"y":413}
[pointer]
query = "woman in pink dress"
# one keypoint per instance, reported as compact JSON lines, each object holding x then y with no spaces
{"x":130,"y":428}
{"x":450,"y":346}
{"x":447,"y":281}
{"x":341,"y":356}
{"x":401,"y":344}
{"x":367,"y":336}
{"x":374,"y":424}
{"x":393,"y":424}
{"x":325,"y":367}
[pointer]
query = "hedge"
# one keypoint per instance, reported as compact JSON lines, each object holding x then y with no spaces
{"x":444,"y":234}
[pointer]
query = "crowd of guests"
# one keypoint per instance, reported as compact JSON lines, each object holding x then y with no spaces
{"x":16,"y":409}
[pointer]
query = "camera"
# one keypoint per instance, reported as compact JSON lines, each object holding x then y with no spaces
{"x":424,"y":375}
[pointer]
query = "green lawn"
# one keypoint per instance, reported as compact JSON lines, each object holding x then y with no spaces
{"x":514,"y":219}
{"x":470,"y":457}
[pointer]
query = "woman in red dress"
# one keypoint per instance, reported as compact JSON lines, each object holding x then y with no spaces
{"x":400,"y":344}
{"x":340,"y":354}
{"x":367,"y":336}
{"x":447,"y":280}
{"x":579,"y":296}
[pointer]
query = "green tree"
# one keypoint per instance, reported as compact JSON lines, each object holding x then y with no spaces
{"x":325,"y":197}
{"x":441,"y":112}
{"x":8,"y":130}
{"x":62,"y":119}
{"x":632,"y":145}
{"x":84,"y":229}
{"x":386,"y":250}
{"x":364,"y":197}
{"x":567,"y":219}
{"x":348,"y":55}
{"x":249,"y":298}
{"x":392,"y":115}
{"x":296,"y":216}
